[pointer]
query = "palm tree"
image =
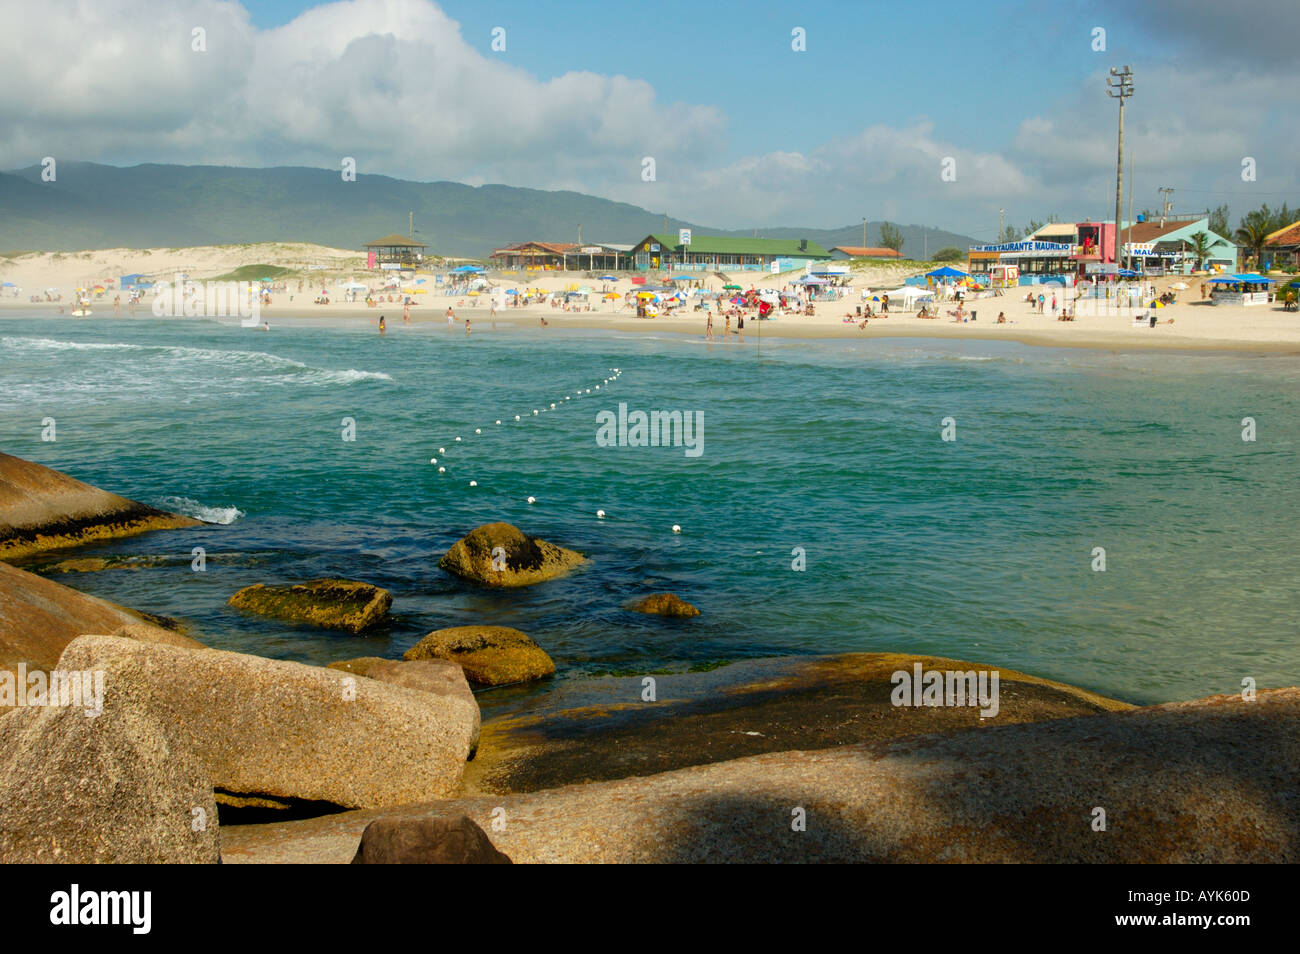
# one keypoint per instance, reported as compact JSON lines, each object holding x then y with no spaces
{"x":1252,"y":234}
{"x":1201,"y":245}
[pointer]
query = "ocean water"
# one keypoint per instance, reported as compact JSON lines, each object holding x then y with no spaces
{"x":979,"y":548}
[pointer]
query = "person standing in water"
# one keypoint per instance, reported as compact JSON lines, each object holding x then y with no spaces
{"x":466,"y":327}
{"x":383,"y":328}
{"x":740,"y":328}
{"x":406,"y":313}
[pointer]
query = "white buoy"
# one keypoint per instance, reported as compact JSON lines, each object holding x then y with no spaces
{"x":478,"y":430}
{"x":677,"y":528}
{"x":516,"y":417}
{"x":534,"y":411}
{"x":552,"y":407}
{"x":442,"y":450}
{"x":498,"y":421}
{"x":473,"y":483}
{"x":433,"y":460}
{"x":442,"y":470}
{"x":532,"y":500}
{"x":458,"y":438}
{"x":600,"y":515}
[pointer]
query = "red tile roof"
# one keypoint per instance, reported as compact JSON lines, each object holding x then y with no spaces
{"x":1285,"y":236}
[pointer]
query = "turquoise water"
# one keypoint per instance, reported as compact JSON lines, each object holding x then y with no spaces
{"x":979,"y":548}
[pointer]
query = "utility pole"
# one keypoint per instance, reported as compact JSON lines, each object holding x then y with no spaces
{"x":410,"y":223}
{"x":1001,"y":216}
{"x":1167,"y":205}
{"x":864,"y":235}
{"x":1119,"y":85}
{"x":1131,"y":183}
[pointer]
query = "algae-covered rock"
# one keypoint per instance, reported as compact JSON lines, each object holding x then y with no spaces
{"x":664,"y":604}
{"x":489,"y":655}
{"x":498,"y":554}
{"x":329,"y":603}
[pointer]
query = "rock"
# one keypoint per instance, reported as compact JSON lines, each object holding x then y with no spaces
{"x":43,"y":509}
{"x":489,"y":655}
{"x":332,"y":604}
{"x":426,"y":841}
{"x":664,"y":604}
{"x":598,"y":729}
{"x":439,"y":676}
{"x":98,"y":564}
{"x":523,"y":560}
{"x":1171,"y":779}
{"x":282,"y":730}
{"x":118,"y":788}
{"x":39,"y":617}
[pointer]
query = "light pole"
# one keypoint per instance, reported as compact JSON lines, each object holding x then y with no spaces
{"x":1001,"y":216}
{"x":1119,"y":85}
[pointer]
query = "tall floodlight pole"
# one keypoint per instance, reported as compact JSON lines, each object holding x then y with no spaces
{"x":1119,"y":85}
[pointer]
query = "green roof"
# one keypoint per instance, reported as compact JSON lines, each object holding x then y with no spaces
{"x":726,"y":245}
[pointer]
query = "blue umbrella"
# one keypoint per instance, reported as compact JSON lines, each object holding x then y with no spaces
{"x":608,"y":278}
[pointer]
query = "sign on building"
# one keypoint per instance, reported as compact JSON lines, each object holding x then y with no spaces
{"x":683,"y":236}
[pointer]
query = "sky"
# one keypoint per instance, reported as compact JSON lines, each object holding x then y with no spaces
{"x":755,"y":114}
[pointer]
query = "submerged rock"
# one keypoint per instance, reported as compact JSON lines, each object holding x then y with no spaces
{"x":664,"y":604}
{"x":329,"y":603}
{"x":43,"y":509}
{"x":489,"y":655}
{"x":498,"y":554}
{"x":288,"y":731}
{"x":118,"y":788}
{"x":455,"y":840}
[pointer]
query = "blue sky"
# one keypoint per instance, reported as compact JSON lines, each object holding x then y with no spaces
{"x":745,"y":131}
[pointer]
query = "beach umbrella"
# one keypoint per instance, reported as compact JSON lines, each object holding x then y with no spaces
{"x":614,"y":295}
{"x":608,"y":278}
{"x":731,"y":288}
{"x":645,"y":294}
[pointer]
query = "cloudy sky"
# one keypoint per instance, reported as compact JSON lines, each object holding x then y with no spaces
{"x":744,"y":129}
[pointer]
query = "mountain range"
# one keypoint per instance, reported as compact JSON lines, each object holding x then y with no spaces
{"x":90,"y":205}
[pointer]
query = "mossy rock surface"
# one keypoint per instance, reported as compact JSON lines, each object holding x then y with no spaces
{"x":489,"y":655}
{"x":664,"y":604}
{"x":329,"y":603}
{"x":521,"y":560}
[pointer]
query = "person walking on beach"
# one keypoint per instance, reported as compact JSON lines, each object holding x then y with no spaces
{"x":726,"y":329}
{"x":451,"y":317}
{"x":708,"y":328}
{"x":383,"y":328}
{"x":740,"y":327}
{"x":1042,"y":300}
{"x":1053,"y":304}
{"x":406,"y":313}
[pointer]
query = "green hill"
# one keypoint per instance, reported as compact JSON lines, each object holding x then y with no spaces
{"x":98,"y":206}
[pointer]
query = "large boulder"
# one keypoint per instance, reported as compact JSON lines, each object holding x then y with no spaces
{"x":43,"y":509}
{"x":521,"y":560}
{"x":489,"y":655}
{"x":1212,"y":781}
{"x":439,"y":676}
{"x":39,"y":617}
{"x":265,"y":727}
{"x":454,"y":840}
{"x":664,"y":604}
{"x":118,"y":788}
{"x":329,"y":603}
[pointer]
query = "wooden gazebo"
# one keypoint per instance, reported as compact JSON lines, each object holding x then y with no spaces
{"x":396,"y":250}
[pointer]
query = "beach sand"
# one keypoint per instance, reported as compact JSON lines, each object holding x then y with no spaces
{"x":1190,"y":324}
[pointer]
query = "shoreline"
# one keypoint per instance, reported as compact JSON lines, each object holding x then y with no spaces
{"x":1117,"y":333}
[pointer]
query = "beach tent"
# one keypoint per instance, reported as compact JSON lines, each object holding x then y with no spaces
{"x":946,"y":272}
{"x":909,"y":293}
{"x":460,"y":269}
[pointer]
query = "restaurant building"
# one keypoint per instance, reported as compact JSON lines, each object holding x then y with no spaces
{"x":1282,"y":248}
{"x":564,"y":256}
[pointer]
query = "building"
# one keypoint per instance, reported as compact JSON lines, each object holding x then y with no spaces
{"x":1086,"y":249}
{"x":563,"y":256}
{"x":715,"y":252}
{"x":841,"y":252}
{"x":394,"y":250}
{"x":1282,"y":248}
